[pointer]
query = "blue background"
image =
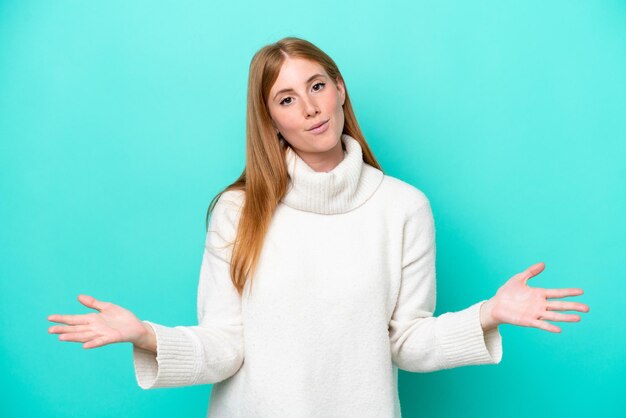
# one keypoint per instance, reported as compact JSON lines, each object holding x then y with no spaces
{"x":119,"y":121}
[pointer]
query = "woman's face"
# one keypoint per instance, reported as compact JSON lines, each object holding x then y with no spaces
{"x":302,"y":97}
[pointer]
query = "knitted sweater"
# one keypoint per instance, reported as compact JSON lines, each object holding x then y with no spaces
{"x":343,"y":296}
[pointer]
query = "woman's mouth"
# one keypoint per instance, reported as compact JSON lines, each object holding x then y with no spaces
{"x":320,"y":129}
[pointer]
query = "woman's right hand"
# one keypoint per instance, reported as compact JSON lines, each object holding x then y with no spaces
{"x":113,"y":324}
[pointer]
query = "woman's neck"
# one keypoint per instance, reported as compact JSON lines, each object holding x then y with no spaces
{"x":323,"y":162}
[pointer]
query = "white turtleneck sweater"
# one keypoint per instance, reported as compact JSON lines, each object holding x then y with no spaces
{"x":343,"y":296}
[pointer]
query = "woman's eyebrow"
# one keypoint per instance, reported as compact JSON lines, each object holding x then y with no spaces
{"x":307,"y":82}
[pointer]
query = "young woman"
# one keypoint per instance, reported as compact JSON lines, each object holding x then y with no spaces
{"x":318,"y":276}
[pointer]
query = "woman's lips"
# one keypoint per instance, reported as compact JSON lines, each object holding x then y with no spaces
{"x":320,"y":129}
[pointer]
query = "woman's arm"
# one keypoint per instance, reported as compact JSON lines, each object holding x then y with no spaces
{"x":423,"y":343}
{"x":176,"y":356}
{"x":211,"y":351}
{"x":419,"y":341}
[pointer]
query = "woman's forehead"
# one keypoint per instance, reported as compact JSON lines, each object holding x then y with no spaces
{"x":297,"y":71}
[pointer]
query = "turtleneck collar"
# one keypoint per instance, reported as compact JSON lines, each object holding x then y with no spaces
{"x":344,"y":188}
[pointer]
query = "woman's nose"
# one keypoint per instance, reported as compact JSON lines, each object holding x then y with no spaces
{"x":310,"y":107}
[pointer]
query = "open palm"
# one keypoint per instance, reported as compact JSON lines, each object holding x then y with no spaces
{"x":517,"y":303}
{"x":112,"y":324}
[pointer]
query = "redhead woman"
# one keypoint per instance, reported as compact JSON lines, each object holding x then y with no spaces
{"x":317,"y":280}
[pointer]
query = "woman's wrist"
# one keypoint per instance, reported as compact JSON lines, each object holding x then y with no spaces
{"x":147,"y":339}
{"x":487,"y":321}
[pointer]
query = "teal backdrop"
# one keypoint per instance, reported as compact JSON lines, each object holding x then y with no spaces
{"x":120,"y":120}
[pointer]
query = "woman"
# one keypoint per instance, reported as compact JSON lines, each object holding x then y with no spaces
{"x":342,"y":258}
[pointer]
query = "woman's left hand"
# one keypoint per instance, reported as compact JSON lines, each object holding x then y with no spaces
{"x":517,"y":303}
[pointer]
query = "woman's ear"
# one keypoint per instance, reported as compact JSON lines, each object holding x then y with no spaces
{"x":342,"y":89}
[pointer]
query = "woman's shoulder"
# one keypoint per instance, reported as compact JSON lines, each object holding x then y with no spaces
{"x":403,"y":193}
{"x":226,"y":210}
{"x":232,"y":197}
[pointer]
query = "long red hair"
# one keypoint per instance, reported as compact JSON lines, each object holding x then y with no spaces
{"x":265,"y":179}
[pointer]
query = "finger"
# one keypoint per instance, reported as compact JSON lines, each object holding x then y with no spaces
{"x":91,"y":302}
{"x":562,"y":293}
{"x":545,"y":326}
{"x":98,"y":342}
{"x":69,"y":319}
{"x":80,"y":337}
{"x":532,"y":271}
{"x":553,"y":305}
{"x":553,"y":316}
{"x":67,"y":329}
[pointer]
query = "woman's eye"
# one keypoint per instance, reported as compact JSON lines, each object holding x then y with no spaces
{"x":289,"y":98}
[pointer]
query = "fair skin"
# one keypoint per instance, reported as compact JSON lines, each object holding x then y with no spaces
{"x":293,"y":113}
{"x":516,"y":303}
{"x":302,"y":96}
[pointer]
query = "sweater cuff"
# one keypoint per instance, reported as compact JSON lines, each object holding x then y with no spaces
{"x":172,"y":365}
{"x":463,"y":341}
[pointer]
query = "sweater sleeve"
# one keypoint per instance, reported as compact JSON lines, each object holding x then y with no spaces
{"x":212,"y":350}
{"x":423,"y":343}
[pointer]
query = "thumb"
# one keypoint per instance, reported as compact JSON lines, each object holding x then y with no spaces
{"x":532,"y":271}
{"x":91,"y":302}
